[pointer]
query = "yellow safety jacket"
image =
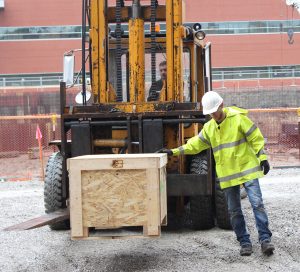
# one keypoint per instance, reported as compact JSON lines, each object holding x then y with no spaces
{"x":237,"y":144}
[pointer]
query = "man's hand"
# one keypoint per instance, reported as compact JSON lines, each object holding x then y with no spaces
{"x":165,"y":150}
{"x":265,"y":167}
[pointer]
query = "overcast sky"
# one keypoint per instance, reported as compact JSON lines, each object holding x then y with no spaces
{"x":294,"y":2}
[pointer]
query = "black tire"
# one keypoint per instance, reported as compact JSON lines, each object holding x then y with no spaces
{"x":53,"y":199}
{"x":201,"y":207}
{"x":222,"y":214}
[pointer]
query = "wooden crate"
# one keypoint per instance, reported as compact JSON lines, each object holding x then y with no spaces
{"x":114,"y":191}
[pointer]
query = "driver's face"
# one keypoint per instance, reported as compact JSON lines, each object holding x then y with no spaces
{"x":218,"y":116}
{"x":163,"y":72}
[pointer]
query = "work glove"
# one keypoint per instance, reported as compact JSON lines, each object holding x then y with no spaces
{"x":165,"y":150}
{"x":265,"y":166}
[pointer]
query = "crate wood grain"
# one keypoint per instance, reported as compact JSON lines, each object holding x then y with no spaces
{"x":114,"y":191}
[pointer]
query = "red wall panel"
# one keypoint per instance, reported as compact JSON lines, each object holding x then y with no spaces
{"x":254,"y":50}
{"x":237,"y":10}
{"x":40,"y":12}
{"x":68,"y":12}
{"x":228,"y":50}
{"x":35,"y":56}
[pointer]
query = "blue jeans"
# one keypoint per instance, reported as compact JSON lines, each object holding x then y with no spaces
{"x":233,"y":199}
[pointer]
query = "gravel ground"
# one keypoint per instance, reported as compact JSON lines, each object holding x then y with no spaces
{"x":213,"y":250}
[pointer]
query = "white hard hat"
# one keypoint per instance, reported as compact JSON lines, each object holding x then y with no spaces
{"x":211,"y":101}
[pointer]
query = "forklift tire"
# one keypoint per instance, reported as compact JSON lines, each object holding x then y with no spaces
{"x":201,"y":207}
{"x":53,"y":190}
{"x":222,"y":214}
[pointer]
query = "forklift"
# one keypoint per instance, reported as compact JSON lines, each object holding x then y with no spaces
{"x":112,"y":114}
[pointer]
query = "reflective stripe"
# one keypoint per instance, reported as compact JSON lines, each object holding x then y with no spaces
{"x":202,"y":138}
{"x":248,"y":133}
{"x":261,"y":152}
{"x":181,"y":150}
{"x":241,"y":174}
{"x":222,"y":146}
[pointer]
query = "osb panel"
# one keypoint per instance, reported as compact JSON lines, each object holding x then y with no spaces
{"x":114,"y":198}
{"x":163,"y":193}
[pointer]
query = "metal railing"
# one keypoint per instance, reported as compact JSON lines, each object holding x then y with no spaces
{"x":53,"y":80}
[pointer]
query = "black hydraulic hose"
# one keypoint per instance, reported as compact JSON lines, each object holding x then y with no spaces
{"x":153,"y":43}
{"x":83,"y":34}
{"x":90,"y":42}
{"x":88,"y":5}
{"x":90,"y":61}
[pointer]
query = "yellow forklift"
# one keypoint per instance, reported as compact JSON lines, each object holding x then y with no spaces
{"x":121,"y":46}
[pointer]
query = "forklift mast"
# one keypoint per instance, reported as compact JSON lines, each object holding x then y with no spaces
{"x":124,"y":119}
{"x":102,"y":40}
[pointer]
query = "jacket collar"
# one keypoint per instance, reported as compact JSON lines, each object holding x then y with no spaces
{"x":232,"y":111}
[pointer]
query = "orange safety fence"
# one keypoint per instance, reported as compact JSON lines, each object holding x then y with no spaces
{"x":281,"y":129}
{"x":19,"y":148}
{"x":19,"y":152}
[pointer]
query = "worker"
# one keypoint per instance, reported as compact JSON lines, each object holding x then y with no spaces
{"x":238,"y":148}
{"x":154,"y":91}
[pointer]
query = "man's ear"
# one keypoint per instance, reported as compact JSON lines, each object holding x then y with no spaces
{"x":221,"y":106}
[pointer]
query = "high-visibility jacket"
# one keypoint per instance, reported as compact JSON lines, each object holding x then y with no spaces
{"x":237,"y":144}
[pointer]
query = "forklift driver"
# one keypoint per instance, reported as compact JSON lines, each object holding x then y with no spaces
{"x":154,"y":91}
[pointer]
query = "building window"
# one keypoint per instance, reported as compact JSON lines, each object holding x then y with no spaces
{"x":211,"y":28}
{"x":259,"y":72}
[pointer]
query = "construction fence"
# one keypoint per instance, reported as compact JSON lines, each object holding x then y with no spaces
{"x":20,"y":154}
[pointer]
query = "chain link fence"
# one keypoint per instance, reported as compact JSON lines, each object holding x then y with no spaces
{"x":280,"y":128}
{"x":275,"y":112}
{"x":19,"y":148}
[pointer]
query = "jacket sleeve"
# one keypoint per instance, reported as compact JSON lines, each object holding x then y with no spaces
{"x":193,"y":146}
{"x":254,"y":137}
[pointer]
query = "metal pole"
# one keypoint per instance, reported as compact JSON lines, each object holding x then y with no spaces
{"x":223,"y":86}
{"x":136,"y":54}
{"x":103,"y":53}
{"x":90,"y":49}
{"x":293,"y":78}
{"x":63,"y":139}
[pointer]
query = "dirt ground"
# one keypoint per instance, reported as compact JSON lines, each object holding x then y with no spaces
{"x":185,"y":250}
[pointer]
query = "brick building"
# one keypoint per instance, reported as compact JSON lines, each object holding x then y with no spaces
{"x":251,"y":46}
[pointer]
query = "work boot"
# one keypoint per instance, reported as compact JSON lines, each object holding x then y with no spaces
{"x":267,"y":248}
{"x":246,"y":250}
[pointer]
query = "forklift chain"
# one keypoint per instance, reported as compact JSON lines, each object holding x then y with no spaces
{"x":119,"y":5}
{"x":154,"y":4}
